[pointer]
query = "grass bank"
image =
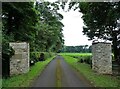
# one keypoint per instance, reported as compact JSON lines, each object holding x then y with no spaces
{"x":24,"y":80}
{"x":96,"y":79}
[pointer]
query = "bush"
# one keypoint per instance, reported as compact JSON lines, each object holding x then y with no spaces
{"x":7,"y":53}
{"x":42,"y":57}
{"x":86,"y":59}
{"x":35,"y":56}
{"x":81,"y":60}
{"x":48,"y":54}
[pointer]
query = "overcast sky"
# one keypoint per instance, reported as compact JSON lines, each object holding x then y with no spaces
{"x":73,"y":26}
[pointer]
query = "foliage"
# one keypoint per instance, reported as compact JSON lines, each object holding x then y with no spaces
{"x":18,"y":25}
{"x":101,"y":21}
{"x":7,"y":52}
{"x":37,"y":23}
{"x":106,"y":81}
{"x":87,"y":60}
{"x":25,"y":80}
{"x":50,"y":27}
{"x":82,"y":57}
{"x":77,"y":49}
{"x":36,"y":55}
{"x":19,"y":21}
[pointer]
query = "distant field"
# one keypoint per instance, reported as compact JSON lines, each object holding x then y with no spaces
{"x":76,"y":54}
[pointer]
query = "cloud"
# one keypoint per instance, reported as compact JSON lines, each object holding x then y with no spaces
{"x":73,"y":26}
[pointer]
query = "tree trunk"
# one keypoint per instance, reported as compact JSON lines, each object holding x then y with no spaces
{"x":115,"y":49}
{"x":9,"y":24}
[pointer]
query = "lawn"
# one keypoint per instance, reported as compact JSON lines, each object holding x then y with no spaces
{"x":76,"y":54}
{"x":0,"y":83}
{"x":25,"y":80}
{"x":98,"y":80}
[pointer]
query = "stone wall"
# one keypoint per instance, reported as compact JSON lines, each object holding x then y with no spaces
{"x":102,"y":59}
{"x":19,"y":63}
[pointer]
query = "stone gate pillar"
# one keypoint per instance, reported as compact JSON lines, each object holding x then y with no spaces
{"x":19,"y":63}
{"x":102,"y":58}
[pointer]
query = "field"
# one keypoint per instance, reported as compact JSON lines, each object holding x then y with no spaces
{"x":98,"y":80}
{"x":76,"y":54}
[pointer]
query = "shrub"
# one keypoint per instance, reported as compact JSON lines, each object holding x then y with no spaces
{"x":7,"y":53}
{"x":34,"y":56}
{"x":86,"y":59}
{"x":48,"y":54}
{"x":81,"y":60}
{"x":42,"y":57}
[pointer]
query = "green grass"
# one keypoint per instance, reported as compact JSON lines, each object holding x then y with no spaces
{"x":76,"y":54}
{"x":25,"y":80}
{"x":96,"y":79}
{"x":0,"y":83}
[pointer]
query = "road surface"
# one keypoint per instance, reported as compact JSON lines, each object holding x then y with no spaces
{"x":60,"y":74}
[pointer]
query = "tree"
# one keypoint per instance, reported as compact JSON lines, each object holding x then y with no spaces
{"x":19,"y":20}
{"x":50,"y":21}
{"x":102,"y":25}
{"x":18,"y":23}
{"x":77,"y":49}
{"x":39,"y":24}
{"x":100,"y":21}
{"x":33,"y":22}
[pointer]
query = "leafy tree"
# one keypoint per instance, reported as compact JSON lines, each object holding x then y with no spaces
{"x":39,"y":24}
{"x":19,"y":20}
{"x":50,"y":19}
{"x":100,"y":21}
{"x":33,"y":22}
{"x":18,"y":25}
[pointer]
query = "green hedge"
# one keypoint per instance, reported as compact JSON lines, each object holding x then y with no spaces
{"x":36,"y":55}
{"x":84,"y":58}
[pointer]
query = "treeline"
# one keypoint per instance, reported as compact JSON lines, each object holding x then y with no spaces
{"x":37,"y":23}
{"x":77,"y":49}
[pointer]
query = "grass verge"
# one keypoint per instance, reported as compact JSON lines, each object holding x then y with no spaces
{"x":0,"y":83}
{"x":96,"y":79}
{"x":24,"y":80}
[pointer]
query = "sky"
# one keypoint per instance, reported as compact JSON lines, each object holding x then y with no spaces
{"x":73,"y":27}
{"x":72,"y":30}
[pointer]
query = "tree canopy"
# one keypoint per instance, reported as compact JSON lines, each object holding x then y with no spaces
{"x":38,"y":23}
{"x":101,"y":21}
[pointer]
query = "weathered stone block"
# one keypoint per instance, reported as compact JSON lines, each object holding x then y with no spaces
{"x":102,"y":59}
{"x":19,"y":63}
